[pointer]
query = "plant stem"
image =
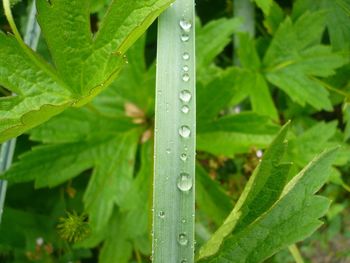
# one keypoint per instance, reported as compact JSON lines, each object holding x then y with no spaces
{"x":243,"y":9}
{"x":175,"y":133}
{"x":31,"y":38}
{"x":293,"y":249}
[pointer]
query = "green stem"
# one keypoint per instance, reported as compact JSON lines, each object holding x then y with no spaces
{"x":7,"y":149}
{"x":245,"y":10}
{"x":293,"y":249}
{"x":174,"y":168}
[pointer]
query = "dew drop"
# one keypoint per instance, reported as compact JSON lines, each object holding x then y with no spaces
{"x":183,"y":157}
{"x":168,"y":150}
{"x":259,"y":153}
{"x":184,"y":261}
{"x":185,"y":109}
{"x":184,"y":182}
{"x":183,"y":221}
{"x":185,"y":25}
{"x":185,"y":95}
{"x":183,"y":240}
{"x":161,"y":214}
{"x":237,"y":109}
{"x":186,"y":77}
{"x":185,"y":68}
{"x":184,"y":37}
{"x":186,"y":56}
{"x":184,"y":131}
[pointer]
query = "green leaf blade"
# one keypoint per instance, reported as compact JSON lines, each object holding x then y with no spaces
{"x":290,"y":216}
{"x":295,"y":58}
{"x":40,"y":94}
{"x":66,"y":28}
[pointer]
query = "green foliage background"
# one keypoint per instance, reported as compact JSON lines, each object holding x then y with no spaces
{"x":96,"y":161}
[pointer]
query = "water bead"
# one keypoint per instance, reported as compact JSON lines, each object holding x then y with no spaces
{"x":185,"y":109}
{"x":183,"y":156}
{"x":184,"y":131}
{"x":184,"y":37}
{"x":184,"y":182}
{"x":185,"y":96}
{"x":183,"y":240}
{"x":185,"y":25}
{"x":186,"y":56}
{"x":161,"y":214}
{"x":186,"y":77}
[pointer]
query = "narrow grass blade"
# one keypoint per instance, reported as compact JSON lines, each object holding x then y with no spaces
{"x":31,"y":38}
{"x":174,"y":170}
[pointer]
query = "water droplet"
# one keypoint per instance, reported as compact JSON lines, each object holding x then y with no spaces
{"x":183,"y":157}
{"x":184,"y":261}
{"x":185,"y":95}
{"x":185,"y":68}
{"x":183,"y":221}
{"x":237,"y":109}
{"x":259,"y":153}
{"x":184,"y":131}
{"x":183,"y":240}
{"x":168,"y":150}
{"x":184,"y":37}
{"x":161,"y":214}
{"x":186,"y":56}
{"x":186,"y":77}
{"x":185,"y":25}
{"x":39,"y":241}
{"x":185,"y":109}
{"x":184,"y":182}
